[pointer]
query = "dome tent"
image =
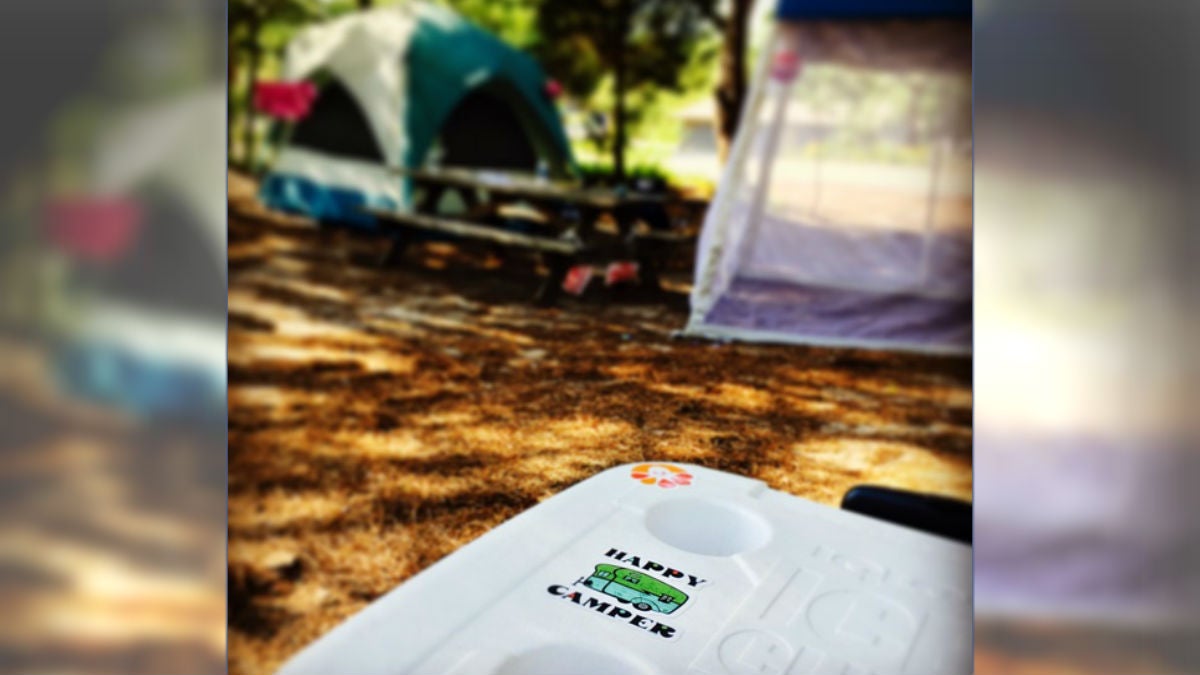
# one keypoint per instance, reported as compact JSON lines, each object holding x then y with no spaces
{"x":397,"y":84}
{"x":146,"y":326}
{"x":843,"y":216}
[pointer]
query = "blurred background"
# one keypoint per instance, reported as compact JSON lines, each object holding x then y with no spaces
{"x":112,"y":345}
{"x":400,"y":175}
{"x":1087,"y":555}
{"x":112,"y":379}
{"x":679,"y":95}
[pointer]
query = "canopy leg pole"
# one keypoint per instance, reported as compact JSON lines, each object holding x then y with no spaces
{"x":781,"y":92}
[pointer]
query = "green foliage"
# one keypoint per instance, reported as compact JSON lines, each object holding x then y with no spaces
{"x":599,"y":172}
{"x":882,"y":116}
{"x":248,"y":19}
{"x":74,"y":128}
{"x":514,"y":21}
{"x":636,"y":48}
{"x":340,"y":7}
{"x":668,"y":49}
{"x":602,"y":173}
{"x":275,"y":34}
{"x":652,"y":39}
{"x":663,"y":75}
{"x":163,"y":52}
{"x":655,"y":126}
{"x":258,"y":31}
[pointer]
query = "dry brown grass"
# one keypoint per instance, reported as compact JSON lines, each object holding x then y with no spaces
{"x":380,"y":419}
{"x":111,"y":538}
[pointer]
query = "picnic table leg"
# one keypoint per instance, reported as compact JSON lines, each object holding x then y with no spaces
{"x":427,"y":203}
{"x":551,"y":288}
{"x":645,"y":252}
{"x":395,"y":250}
{"x":648,"y":264}
{"x":579,"y":223}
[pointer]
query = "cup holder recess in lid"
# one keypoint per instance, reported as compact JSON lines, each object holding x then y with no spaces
{"x":707,"y":526}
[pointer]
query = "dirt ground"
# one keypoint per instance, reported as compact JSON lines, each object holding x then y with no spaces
{"x":381,"y":419}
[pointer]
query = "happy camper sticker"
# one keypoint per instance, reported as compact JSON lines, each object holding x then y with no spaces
{"x":633,"y":590}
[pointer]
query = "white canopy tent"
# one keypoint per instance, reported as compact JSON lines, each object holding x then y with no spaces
{"x":843,"y":216}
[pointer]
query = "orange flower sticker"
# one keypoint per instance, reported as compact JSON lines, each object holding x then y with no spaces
{"x":662,"y":475}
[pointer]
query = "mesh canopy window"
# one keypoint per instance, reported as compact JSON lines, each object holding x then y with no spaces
{"x":844,"y":215}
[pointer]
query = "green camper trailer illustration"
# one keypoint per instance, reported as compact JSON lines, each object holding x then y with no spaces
{"x":644,"y":592}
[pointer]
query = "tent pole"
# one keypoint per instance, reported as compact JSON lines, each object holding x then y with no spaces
{"x":770,"y":150}
{"x":716,"y":219}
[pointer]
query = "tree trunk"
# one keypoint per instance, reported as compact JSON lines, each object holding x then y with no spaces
{"x":731,"y":87}
{"x":618,"y":146}
{"x":364,"y":4}
{"x":624,"y":17}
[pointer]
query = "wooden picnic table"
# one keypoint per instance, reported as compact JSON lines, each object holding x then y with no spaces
{"x":553,"y":197}
{"x":568,"y":213}
{"x":532,"y":188}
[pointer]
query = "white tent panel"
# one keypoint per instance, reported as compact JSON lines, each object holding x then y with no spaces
{"x":363,"y":50}
{"x":844,"y":214}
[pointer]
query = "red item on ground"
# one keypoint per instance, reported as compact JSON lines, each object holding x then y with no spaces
{"x":93,"y":229}
{"x":577,"y":279}
{"x":288,"y":101}
{"x":553,"y":88}
{"x":621,"y":272}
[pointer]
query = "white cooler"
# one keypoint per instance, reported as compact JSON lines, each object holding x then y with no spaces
{"x":670,"y":569}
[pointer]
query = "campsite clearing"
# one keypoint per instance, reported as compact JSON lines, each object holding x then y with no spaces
{"x":380,"y":419}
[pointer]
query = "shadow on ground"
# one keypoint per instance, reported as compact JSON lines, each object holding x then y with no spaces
{"x":381,"y":418}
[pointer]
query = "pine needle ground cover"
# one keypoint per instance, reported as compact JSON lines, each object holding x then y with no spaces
{"x":379,"y":419}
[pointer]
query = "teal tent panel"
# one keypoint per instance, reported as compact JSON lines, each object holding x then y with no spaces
{"x":448,"y":58}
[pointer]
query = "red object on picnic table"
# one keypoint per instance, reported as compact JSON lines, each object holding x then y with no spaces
{"x":579,"y":276}
{"x":93,"y":229}
{"x":288,"y":101}
{"x":620,"y":272}
{"x":553,"y":88}
{"x":577,"y":279}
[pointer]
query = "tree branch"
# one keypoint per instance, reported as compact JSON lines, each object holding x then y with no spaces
{"x":709,"y":11}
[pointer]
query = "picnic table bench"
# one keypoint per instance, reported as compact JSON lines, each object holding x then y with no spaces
{"x":569,"y":213}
